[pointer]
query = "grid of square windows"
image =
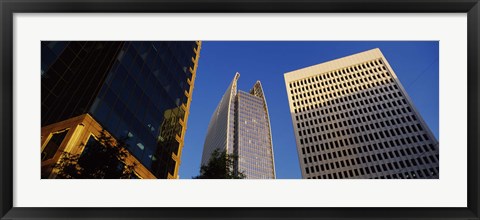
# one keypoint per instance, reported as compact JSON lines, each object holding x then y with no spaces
{"x":355,"y":122}
{"x":253,"y":141}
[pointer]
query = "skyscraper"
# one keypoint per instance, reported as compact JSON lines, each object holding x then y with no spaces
{"x":137,"y":91}
{"x":240,"y":125}
{"x":353,"y":119}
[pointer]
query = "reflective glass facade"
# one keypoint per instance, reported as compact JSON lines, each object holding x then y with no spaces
{"x":136,"y":90}
{"x":72,"y":75}
{"x":219,"y":135}
{"x":241,"y":125}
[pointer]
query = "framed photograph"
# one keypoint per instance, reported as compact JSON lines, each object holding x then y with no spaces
{"x":257,"y":110}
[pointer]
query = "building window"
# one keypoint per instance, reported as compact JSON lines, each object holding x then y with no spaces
{"x":53,"y":144}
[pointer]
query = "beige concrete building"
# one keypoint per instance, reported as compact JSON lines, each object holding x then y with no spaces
{"x":353,"y":119}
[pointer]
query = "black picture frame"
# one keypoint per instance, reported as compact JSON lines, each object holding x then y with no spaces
{"x":9,"y":7}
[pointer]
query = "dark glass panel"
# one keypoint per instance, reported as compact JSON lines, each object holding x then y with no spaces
{"x":76,"y":46}
{"x":101,"y":112}
{"x":138,"y":63}
{"x":110,"y":98}
{"x":61,"y":86}
{"x":103,"y":90}
{"x":59,"y":67}
{"x":82,"y":80}
{"x":123,"y":129}
{"x":112,"y":122}
{"x":69,"y":76}
{"x":119,"y":107}
{"x":128,"y":57}
{"x":48,"y":57}
{"x":68,"y":56}
{"x":125,"y":90}
{"x":151,"y":58}
{"x":119,"y":78}
{"x":50,"y":79}
{"x":147,"y":158}
{"x":120,"y":56}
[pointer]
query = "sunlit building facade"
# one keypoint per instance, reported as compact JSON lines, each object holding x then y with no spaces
{"x":139,"y":91}
{"x":352,"y":118}
{"x":240,"y":125}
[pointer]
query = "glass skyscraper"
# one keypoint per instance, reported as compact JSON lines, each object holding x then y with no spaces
{"x":240,"y":125}
{"x":137,"y":91}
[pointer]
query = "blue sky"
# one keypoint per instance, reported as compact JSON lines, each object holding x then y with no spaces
{"x":414,"y":62}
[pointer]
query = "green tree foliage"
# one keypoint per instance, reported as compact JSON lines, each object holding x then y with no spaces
{"x":99,"y":160}
{"x":220,"y":166}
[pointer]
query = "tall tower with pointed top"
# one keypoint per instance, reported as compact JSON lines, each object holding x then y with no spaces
{"x":241,"y":125}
